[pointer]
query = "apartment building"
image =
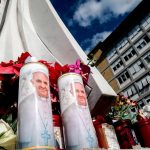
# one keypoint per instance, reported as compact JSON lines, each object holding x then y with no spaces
{"x":124,"y":57}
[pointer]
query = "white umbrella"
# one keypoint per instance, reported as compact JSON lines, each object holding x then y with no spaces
{"x":34,"y":26}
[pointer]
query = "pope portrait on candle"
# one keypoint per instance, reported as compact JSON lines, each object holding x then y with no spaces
{"x":78,"y":127}
{"x":35,"y":122}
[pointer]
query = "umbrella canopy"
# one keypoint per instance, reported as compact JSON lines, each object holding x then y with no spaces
{"x":34,"y":26}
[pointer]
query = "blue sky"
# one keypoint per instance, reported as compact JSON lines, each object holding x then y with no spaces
{"x":91,"y":21}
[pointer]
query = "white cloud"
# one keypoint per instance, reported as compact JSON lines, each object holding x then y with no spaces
{"x":95,"y":40}
{"x":120,"y":7}
{"x":70,"y":22}
{"x":99,"y":37}
{"x":85,"y":43}
{"x":87,"y":51}
{"x":87,"y":12}
{"x":102,"y":10}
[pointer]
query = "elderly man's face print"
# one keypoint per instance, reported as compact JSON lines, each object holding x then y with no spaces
{"x":80,"y":94}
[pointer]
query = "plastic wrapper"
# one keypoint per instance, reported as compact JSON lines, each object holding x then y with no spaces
{"x":7,"y":136}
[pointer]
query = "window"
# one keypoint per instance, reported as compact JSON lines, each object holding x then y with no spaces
{"x":141,"y":104}
{"x":147,"y":58}
{"x":146,"y":21}
{"x":131,"y":91}
{"x":133,"y":109}
{"x":122,"y":44}
{"x":136,"y":67}
{"x":134,"y":32}
{"x":142,"y":42}
{"x":111,"y":55}
{"x":147,"y":99}
{"x":115,"y":66}
{"x":123,"y":77}
{"x":129,"y":54}
{"x":144,"y":84}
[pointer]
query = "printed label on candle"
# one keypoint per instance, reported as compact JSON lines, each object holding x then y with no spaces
{"x":35,"y":125}
{"x":110,"y":136}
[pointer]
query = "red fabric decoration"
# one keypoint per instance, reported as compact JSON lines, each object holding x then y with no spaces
{"x":55,"y":71}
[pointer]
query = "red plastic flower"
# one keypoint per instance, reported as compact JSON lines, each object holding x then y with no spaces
{"x":61,"y":69}
{"x":23,"y":57}
{"x":5,"y":64}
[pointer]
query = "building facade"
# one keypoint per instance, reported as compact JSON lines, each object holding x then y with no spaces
{"x":124,"y":57}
